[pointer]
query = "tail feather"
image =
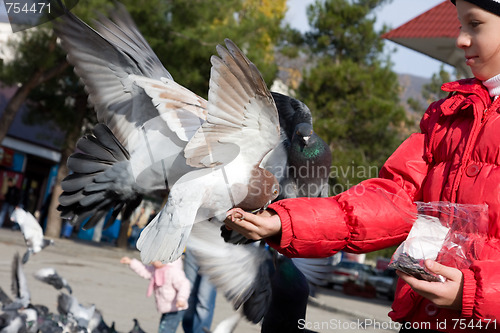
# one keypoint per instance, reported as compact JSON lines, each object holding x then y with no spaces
{"x":101,"y":180}
{"x":26,"y":256}
{"x":77,"y":181}
{"x":86,"y":164}
{"x":90,"y":145}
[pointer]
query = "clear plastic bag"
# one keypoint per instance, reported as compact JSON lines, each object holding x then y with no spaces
{"x":450,"y":233}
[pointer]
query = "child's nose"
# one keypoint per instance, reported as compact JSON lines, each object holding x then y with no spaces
{"x":463,"y":40}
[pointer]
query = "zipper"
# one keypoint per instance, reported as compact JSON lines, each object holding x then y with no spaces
{"x":484,"y":114}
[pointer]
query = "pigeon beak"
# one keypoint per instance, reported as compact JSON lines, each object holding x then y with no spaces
{"x":267,"y":204}
{"x":306,"y":139}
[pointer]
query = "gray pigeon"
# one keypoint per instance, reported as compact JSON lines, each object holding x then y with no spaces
{"x":49,"y":275}
{"x":12,"y":322}
{"x":168,"y":137}
{"x":19,"y":286}
{"x":85,"y":317}
{"x":308,"y":158}
{"x":136,"y":328}
{"x":4,"y":298}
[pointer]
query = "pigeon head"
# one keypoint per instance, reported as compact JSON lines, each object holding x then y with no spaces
{"x":304,"y":134}
{"x":262,"y":188}
{"x":18,"y":215}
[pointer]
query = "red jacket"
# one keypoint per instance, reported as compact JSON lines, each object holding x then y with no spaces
{"x":455,"y":158}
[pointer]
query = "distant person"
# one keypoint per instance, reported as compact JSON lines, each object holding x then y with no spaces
{"x":11,"y":200}
{"x":138,"y":222}
{"x":170,"y":286}
{"x":198,"y":317}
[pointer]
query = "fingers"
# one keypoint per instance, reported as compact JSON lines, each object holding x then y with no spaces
{"x":446,"y":294}
{"x":238,"y":213}
{"x":449,"y":273}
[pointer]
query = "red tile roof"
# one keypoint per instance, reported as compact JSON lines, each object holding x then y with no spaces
{"x":440,"y":21}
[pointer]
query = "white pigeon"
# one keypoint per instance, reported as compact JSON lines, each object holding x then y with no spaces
{"x":207,"y":153}
{"x":32,"y":232}
{"x":241,"y":112}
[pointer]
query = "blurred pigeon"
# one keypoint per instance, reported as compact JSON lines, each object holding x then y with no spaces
{"x":227,"y":325}
{"x":50,"y":276}
{"x":136,"y":328}
{"x":168,"y":135}
{"x":69,"y":306}
{"x":288,"y":304}
{"x":12,"y":322}
{"x":251,"y":290}
{"x":19,"y":286}
{"x":4,"y":298}
{"x":32,"y":232}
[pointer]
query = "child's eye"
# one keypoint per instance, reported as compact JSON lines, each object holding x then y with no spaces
{"x":474,"y":24}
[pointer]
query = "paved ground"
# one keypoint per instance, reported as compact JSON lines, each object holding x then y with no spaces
{"x":96,"y":276}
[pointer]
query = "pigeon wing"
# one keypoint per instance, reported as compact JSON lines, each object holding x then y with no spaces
{"x":249,"y":289}
{"x":240,"y":107}
{"x":105,"y":69}
{"x":20,"y":283}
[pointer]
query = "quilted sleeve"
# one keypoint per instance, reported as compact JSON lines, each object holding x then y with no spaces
{"x":374,"y":214}
{"x":481,"y":294}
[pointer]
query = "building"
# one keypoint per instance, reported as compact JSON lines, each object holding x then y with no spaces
{"x":433,"y":33}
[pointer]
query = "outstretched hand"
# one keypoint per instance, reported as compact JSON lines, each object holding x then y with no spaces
{"x":446,"y":294}
{"x":263,"y":224}
{"x":125,"y":260}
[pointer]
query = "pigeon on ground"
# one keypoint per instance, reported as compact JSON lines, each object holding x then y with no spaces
{"x":12,"y":322}
{"x":136,"y":328}
{"x":32,"y":232}
{"x":84,"y":317}
{"x":50,"y":276}
{"x":206,"y":152}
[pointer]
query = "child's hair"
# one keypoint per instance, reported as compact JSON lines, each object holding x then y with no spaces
{"x":491,"y":6}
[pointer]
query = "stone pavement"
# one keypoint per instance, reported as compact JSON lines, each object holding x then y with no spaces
{"x":96,"y":276}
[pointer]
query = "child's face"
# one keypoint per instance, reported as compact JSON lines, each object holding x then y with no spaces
{"x":480,"y":39}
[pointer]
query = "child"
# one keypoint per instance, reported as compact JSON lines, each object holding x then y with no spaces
{"x":455,"y":158}
{"x":170,"y":286}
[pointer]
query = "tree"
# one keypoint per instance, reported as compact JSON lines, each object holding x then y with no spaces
{"x":183,"y":33}
{"x":351,"y":89}
{"x":432,"y":91}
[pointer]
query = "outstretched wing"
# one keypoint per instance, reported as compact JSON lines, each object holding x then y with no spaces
{"x":239,"y":107}
{"x":105,"y":63}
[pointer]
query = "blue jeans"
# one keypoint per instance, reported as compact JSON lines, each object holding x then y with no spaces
{"x":7,"y":209}
{"x":201,"y":300}
{"x":169,"y":321}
